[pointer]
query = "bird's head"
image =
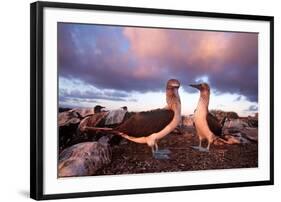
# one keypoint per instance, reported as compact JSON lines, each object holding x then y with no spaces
{"x":125,"y":108}
{"x":172,"y":94}
{"x":203,"y":87}
{"x":173,"y":84}
{"x":98,"y":108}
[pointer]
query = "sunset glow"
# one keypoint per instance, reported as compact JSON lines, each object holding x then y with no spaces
{"x":116,"y":66}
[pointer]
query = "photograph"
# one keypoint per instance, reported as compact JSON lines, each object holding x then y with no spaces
{"x":140,"y":99}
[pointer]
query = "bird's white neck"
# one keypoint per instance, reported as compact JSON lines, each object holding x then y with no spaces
{"x":203,"y":103}
{"x":173,"y":100}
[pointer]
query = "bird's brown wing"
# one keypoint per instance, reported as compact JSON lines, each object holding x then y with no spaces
{"x":145,"y":123}
{"x":214,"y":124}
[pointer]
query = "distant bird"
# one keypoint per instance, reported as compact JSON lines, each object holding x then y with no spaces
{"x":98,"y":108}
{"x":125,"y":108}
{"x":150,"y":126}
{"x":207,"y":125}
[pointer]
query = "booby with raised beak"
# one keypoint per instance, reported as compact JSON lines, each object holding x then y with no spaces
{"x":150,"y":126}
{"x":207,"y":125}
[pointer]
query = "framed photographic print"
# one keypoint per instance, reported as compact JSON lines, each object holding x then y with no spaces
{"x":131,"y":100}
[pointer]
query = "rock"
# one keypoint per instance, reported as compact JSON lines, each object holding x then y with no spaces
{"x":84,"y":159}
{"x":84,"y":111}
{"x":243,"y":130}
{"x":237,"y":124}
{"x":92,"y":121}
{"x":67,"y":136}
{"x":250,"y":133}
{"x":68,"y":122}
{"x":253,"y":122}
{"x":242,"y":123}
{"x":221,"y":114}
{"x":74,"y":116}
{"x":115,"y":117}
{"x":68,"y":117}
{"x":230,"y":130}
{"x":237,"y":138}
{"x":74,"y":132}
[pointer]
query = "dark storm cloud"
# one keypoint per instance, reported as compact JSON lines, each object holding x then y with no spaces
{"x":138,"y":59}
{"x":66,"y":95}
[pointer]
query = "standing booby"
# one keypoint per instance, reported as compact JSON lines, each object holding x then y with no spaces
{"x":150,"y":126}
{"x":207,"y":125}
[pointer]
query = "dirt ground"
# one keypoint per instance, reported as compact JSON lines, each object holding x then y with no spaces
{"x":131,"y":158}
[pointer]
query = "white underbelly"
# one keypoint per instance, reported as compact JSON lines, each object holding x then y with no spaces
{"x":201,"y":125}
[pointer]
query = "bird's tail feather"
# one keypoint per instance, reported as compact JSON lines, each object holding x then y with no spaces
{"x":114,"y":132}
{"x":141,"y":140}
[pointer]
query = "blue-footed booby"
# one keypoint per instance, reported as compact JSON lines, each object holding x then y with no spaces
{"x":207,"y":125}
{"x":150,"y":126}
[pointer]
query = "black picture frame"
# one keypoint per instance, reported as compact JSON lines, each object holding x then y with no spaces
{"x":36,"y":99}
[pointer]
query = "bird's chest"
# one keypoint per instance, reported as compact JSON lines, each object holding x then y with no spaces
{"x":200,"y":113}
{"x":200,"y":118}
{"x":201,"y":125}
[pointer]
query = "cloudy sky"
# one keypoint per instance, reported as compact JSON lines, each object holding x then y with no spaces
{"x":116,"y":66}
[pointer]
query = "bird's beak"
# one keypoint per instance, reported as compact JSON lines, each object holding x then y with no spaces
{"x":197,"y":86}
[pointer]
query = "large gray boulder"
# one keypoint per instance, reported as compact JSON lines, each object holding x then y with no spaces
{"x":84,"y":159}
{"x":68,"y":122}
{"x":74,"y":116}
{"x":68,"y":118}
{"x":237,"y":124}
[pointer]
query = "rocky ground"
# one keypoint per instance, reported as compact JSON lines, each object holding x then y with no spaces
{"x":129,"y":157}
{"x":102,"y":153}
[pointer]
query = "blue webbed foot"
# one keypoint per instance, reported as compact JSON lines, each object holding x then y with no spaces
{"x":161,"y":154}
{"x":201,"y":149}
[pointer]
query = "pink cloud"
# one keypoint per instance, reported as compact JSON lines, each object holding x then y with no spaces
{"x":226,"y":57}
{"x":166,"y":46}
{"x":142,"y":59}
